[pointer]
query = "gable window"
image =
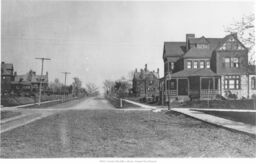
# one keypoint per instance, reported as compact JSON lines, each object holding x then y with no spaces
{"x":171,"y":66}
{"x":227,"y":62}
{"x":207,"y":64}
{"x":253,"y":82}
{"x":201,"y":64}
{"x":232,"y":82}
{"x":234,"y":62}
{"x":189,"y":63}
{"x":195,"y":64}
{"x":202,"y":46}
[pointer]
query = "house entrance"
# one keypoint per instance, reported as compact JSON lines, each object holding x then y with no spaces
{"x":182,"y":87}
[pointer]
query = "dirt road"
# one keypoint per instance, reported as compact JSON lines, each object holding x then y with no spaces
{"x":94,"y":128}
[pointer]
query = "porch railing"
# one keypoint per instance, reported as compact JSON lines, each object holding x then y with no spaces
{"x":171,"y":93}
{"x":209,"y":93}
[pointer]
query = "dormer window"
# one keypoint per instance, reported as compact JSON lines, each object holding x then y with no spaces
{"x":207,"y":64}
{"x":195,"y":64}
{"x":201,"y":64}
{"x":189,"y":64}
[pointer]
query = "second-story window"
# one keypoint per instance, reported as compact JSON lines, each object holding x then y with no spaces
{"x":234,"y":62}
{"x":227,"y":62}
{"x":201,"y":64}
{"x":171,"y":66}
{"x":189,"y":64}
{"x":195,"y":63}
{"x":207,"y":64}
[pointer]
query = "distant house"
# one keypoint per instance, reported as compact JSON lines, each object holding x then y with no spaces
{"x":7,"y":76}
{"x":204,"y":67}
{"x":146,"y":84}
{"x":30,"y":82}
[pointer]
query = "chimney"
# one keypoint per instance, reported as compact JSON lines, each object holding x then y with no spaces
{"x":15,"y":73}
{"x":136,"y":70}
{"x":146,"y":67}
{"x":187,"y":38}
{"x":158,"y":72}
{"x":141,"y":70}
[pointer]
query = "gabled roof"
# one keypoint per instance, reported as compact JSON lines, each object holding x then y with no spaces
{"x":30,"y":77}
{"x":198,"y":53}
{"x":174,"y":48}
{"x":194,"y":72}
{"x":145,"y":74}
{"x":234,"y":35}
{"x":201,"y":40}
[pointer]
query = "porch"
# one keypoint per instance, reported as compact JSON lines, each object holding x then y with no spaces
{"x":194,"y":87}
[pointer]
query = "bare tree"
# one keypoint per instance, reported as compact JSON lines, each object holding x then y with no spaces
{"x":55,"y":86}
{"x":92,"y":89}
{"x":130,"y":75}
{"x":246,"y":34}
{"x":108,"y":85}
{"x":76,"y":86}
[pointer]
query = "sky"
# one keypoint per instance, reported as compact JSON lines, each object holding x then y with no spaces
{"x":98,"y":40}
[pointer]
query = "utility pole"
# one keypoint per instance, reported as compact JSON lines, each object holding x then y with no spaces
{"x":40,"y":87}
{"x":65,"y":73}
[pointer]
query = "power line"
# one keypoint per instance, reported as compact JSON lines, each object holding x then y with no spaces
{"x":40,"y":87}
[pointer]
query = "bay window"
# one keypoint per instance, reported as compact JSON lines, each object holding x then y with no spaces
{"x":232,"y":82}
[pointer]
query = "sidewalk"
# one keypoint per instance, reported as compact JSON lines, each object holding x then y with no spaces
{"x":225,"y":123}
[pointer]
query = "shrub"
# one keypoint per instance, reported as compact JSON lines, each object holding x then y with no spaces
{"x":254,"y":97}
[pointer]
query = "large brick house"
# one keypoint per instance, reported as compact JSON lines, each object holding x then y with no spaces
{"x":146,"y":84}
{"x":7,"y":76}
{"x":204,"y":67}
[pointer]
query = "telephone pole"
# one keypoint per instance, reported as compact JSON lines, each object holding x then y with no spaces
{"x":65,"y":73}
{"x":40,"y":87}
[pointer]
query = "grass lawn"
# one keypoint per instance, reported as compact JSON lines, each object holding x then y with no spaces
{"x":114,"y":133}
{"x":224,"y":104}
{"x":9,"y":114}
{"x":245,"y":117}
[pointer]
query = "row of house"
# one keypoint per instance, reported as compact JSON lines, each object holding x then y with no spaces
{"x":30,"y":81}
{"x":203,"y":68}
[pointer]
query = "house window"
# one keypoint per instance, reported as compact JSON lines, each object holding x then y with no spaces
{"x":189,"y":63}
{"x":202,"y":46}
{"x":171,"y":84}
{"x":253,"y":83}
{"x":227,"y":62}
{"x":232,"y":82}
{"x":201,"y":64}
{"x":207,"y":64}
{"x":171,"y":66}
{"x":234,"y":62}
{"x":195,"y":64}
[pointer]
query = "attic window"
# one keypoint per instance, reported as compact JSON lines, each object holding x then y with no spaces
{"x":202,"y":46}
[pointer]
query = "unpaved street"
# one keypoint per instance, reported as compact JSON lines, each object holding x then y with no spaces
{"x":94,"y":128}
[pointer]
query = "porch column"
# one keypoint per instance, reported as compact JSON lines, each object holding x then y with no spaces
{"x":219,"y":85}
{"x":188,"y":86}
{"x":177,"y":90}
